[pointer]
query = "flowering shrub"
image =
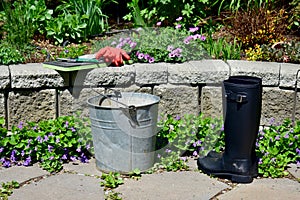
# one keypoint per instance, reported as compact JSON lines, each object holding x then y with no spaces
{"x":171,"y":44}
{"x":51,"y":143}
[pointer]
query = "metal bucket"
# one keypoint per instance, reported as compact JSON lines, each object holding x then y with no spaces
{"x":124,"y":129}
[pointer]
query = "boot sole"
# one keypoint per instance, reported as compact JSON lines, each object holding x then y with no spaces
{"x":237,"y":178}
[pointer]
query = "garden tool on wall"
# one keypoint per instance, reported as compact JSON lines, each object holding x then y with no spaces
{"x":243,"y":97}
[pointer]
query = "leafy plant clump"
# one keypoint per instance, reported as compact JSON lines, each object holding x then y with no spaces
{"x":111,"y":180}
{"x":277,"y":145}
{"x":51,"y":143}
{"x":7,"y":189}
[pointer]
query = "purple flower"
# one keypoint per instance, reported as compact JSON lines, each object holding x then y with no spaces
{"x":20,"y":126}
{"x":73,"y":158}
{"x":170,"y":48}
{"x":1,"y":149}
{"x":178,"y":26}
{"x":146,"y":56}
{"x":298,"y":151}
{"x":64,"y":157}
{"x":296,"y":137}
{"x":151,"y":60}
{"x":199,"y":142}
{"x":171,"y":55}
{"x":277,"y":137}
{"x":73,"y":129}
{"x":83,"y":158}
{"x":88,"y":146}
{"x":298,"y":163}
{"x":6,"y":163}
{"x":260,"y":161}
{"x":183,"y":159}
{"x":194,"y":29}
{"x":177,"y":117}
{"x":12,"y":156}
{"x":179,"y":19}
{"x":67,"y":124}
{"x":273,"y":160}
{"x":168,"y":150}
{"x":22,"y":153}
{"x":39,"y":139}
{"x":113,"y":43}
{"x":140,"y":56}
{"x":51,"y":158}
{"x":203,"y":38}
{"x":50,"y":148}
{"x":158,"y":23}
{"x":27,"y":161}
{"x":50,"y":134}
{"x":78,"y":149}
{"x":272,"y":121}
{"x":222,"y":128}
{"x":194,"y":144}
{"x":195,"y":153}
{"x":290,"y":144}
{"x":286,"y":135}
{"x":158,"y":156}
{"x":133,"y":45}
{"x":46,"y":138}
{"x":57,"y":140}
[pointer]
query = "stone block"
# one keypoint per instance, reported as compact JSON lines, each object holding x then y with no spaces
{"x":32,"y":106}
{"x":268,"y":71}
{"x":109,"y":76}
{"x":211,"y":102}
{"x":288,"y":75}
{"x":277,"y":105}
{"x":34,"y":75}
{"x":147,"y":74}
{"x":198,"y":72}
{"x":2,"y":105}
{"x":177,"y":99}
{"x":4,"y":77}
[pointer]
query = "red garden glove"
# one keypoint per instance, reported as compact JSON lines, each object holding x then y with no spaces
{"x":113,"y":55}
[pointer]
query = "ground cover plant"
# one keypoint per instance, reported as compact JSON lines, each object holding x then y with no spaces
{"x":49,"y":143}
{"x":276,"y":146}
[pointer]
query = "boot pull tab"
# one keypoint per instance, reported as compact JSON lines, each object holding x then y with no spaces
{"x":237,"y":97}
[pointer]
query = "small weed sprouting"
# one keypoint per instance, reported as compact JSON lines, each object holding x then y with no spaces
{"x":111,"y":180}
{"x":7,"y":189}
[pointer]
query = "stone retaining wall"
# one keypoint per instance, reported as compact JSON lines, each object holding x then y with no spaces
{"x":31,"y":92}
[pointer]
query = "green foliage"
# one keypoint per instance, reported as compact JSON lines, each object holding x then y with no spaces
{"x":73,"y":51}
{"x":10,"y":54}
{"x":111,"y":180}
{"x":51,"y":143}
{"x":135,"y":174}
{"x":294,"y":18}
{"x":150,"y":12}
{"x":7,"y":189}
{"x":111,"y":195}
{"x":278,"y":146}
{"x":171,"y":162}
{"x":78,"y":20}
{"x":221,"y":49}
{"x":190,"y":135}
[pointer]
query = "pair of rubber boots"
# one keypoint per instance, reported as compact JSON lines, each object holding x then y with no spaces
{"x":242,"y":98}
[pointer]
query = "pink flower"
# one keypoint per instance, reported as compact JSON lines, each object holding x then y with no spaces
{"x":158,"y":23}
{"x":179,"y":19}
{"x":194,"y":29}
{"x":151,"y":60}
{"x":178,"y":26}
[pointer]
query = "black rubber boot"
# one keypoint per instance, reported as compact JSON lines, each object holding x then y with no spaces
{"x":242,"y":117}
